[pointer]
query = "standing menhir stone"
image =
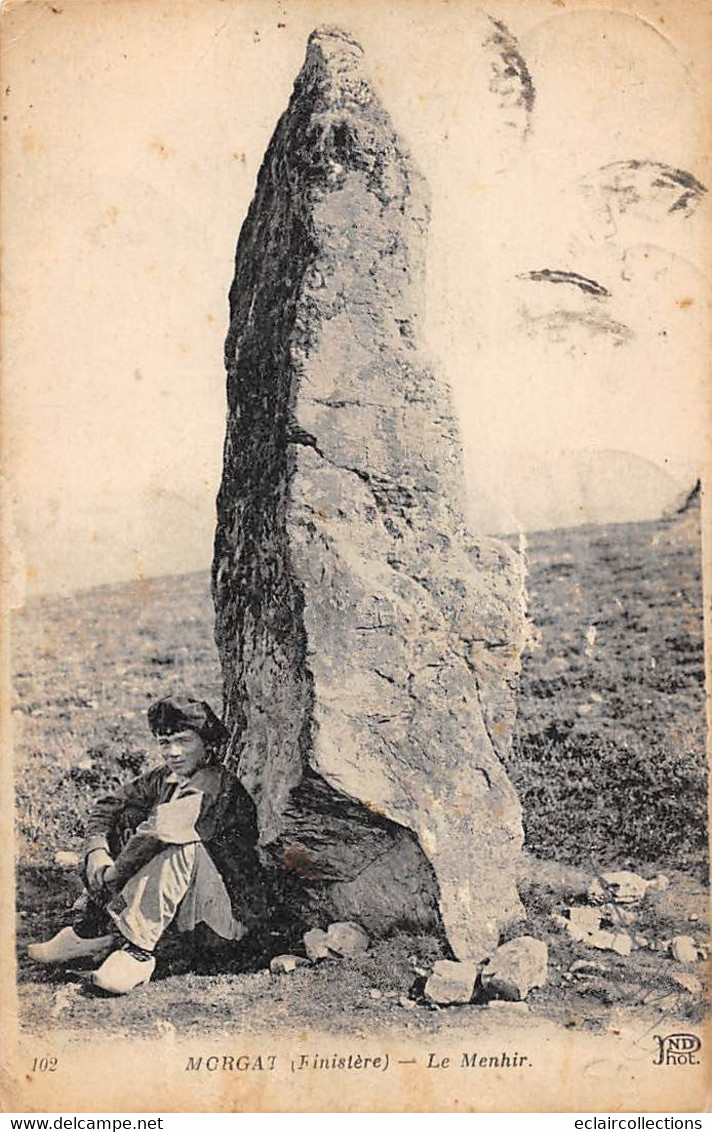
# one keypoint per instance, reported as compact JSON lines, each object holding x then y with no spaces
{"x":369,"y":645}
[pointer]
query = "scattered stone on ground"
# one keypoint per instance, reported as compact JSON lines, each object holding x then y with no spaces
{"x":452,"y":981}
{"x":622,"y":944}
{"x":687,"y":981}
{"x":283,"y":964}
{"x":684,"y":949}
{"x":660,"y":884}
{"x":621,"y":887}
{"x":375,"y":993}
{"x":586,"y":967}
{"x":66,"y":859}
{"x":406,"y":1003}
{"x":669,"y":1004}
{"x":316,"y":945}
{"x":516,"y":967}
{"x":618,"y":915}
{"x":602,"y":940}
{"x":346,"y":937}
{"x":64,"y":999}
{"x":583,"y":922}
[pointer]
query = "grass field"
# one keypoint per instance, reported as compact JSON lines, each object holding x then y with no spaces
{"x":609,"y":762}
{"x":609,"y":757}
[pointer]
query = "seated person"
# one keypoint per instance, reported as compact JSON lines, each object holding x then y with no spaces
{"x":165,"y":847}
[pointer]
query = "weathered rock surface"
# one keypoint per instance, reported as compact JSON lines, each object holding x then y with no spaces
{"x":686,"y":982}
{"x":622,"y":943}
{"x":516,"y":968}
{"x":370,"y":645}
{"x":316,"y":944}
{"x":584,"y":925}
{"x":285,"y":964}
{"x":583,"y":922}
{"x":618,"y":915}
{"x":451,"y":982}
{"x":621,"y":887}
{"x":684,"y":949}
{"x":347,"y":938}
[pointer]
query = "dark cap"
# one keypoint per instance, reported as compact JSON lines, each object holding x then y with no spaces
{"x":182,"y":713}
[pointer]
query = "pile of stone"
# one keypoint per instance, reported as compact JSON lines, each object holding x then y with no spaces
{"x":514,"y":969}
{"x":608,"y":920}
{"x":340,"y":940}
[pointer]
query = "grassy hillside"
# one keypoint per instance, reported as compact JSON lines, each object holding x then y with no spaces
{"x":609,"y":753}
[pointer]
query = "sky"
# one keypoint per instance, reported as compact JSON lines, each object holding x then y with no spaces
{"x":133,"y":134}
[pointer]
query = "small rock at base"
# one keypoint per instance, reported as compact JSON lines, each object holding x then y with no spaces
{"x":602,"y":940}
{"x":284,"y":964}
{"x":451,"y":981}
{"x":66,"y":859}
{"x":316,"y":945}
{"x":622,"y":944}
{"x":618,"y":915}
{"x":406,"y":1003}
{"x":516,"y":967}
{"x":347,"y":938}
{"x":621,"y":887}
{"x":582,"y":923}
{"x":684,"y":949}
{"x":688,"y":982}
{"x":588,"y":919}
{"x":375,"y":993}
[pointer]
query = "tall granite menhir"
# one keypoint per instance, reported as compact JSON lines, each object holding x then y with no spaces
{"x":369,"y":644}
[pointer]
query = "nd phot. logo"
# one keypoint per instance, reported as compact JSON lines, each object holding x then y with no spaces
{"x":677,"y":1049}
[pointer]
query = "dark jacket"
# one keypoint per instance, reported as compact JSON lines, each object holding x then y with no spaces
{"x":158,"y":809}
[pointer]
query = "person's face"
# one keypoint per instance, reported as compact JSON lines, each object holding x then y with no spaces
{"x":183,"y":752}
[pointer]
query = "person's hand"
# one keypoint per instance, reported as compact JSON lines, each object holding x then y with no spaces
{"x":109,"y":875}
{"x":97,"y":865}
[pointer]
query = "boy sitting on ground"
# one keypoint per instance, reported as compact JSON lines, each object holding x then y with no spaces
{"x":162,"y":848}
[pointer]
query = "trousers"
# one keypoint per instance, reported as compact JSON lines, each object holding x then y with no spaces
{"x":180,"y":883}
